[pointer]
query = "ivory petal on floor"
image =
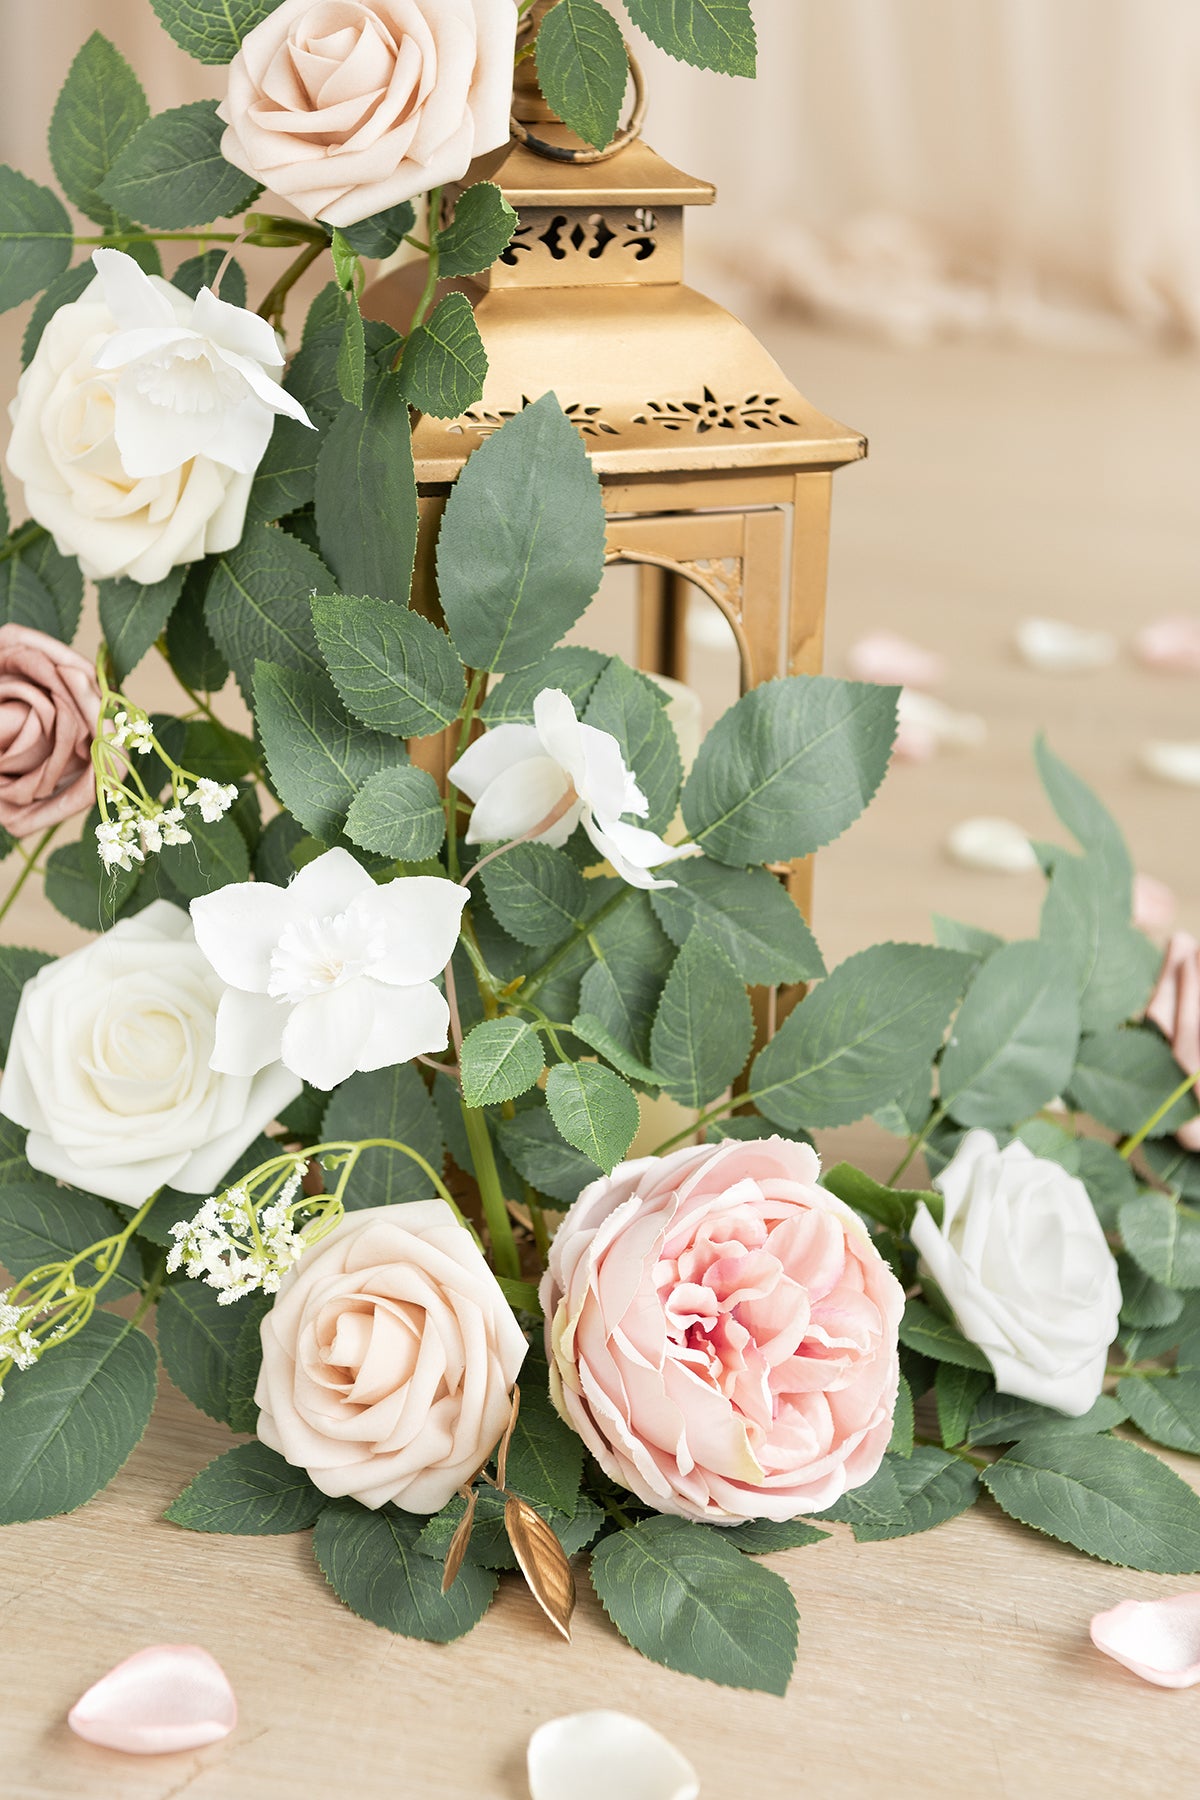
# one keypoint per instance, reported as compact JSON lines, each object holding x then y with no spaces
{"x":603,"y":1755}
{"x":993,"y":844}
{"x":1158,"y":1639}
{"x":1057,"y":647}
{"x":1175,"y":762}
{"x":168,"y":1697}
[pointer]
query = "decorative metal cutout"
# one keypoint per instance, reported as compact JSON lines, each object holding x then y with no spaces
{"x":565,"y":235}
{"x":725,"y":574}
{"x":758,"y":412}
{"x":483,"y":421}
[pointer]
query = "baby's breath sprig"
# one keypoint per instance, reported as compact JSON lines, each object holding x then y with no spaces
{"x":134,"y":822}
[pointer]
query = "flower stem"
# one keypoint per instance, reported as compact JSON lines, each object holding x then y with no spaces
{"x":467,"y":719}
{"x":276,"y":297}
{"x":1139,"y":1137}
{"x":31,"y":857}
{"x":504,"y":1244}
{"x":915,"y":1144}
{"x":540,"y":976}
{"x":431,"y":274}
{"x":722,"y":1110}
{"x":151,"y":1291}
{"x":557,"y":812}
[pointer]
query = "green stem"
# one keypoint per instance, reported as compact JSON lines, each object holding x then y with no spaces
{"x":354,"y":1149}
{"x":31,"y":858}
{"x":540,"y":976}
{"x":474,"y":688}
{"x":721,"y":1111}
{"x":916,"y":1144}
{"x":151,"y":1291}
{"x":276,"y":297}
{"x":1180,"y":1093}
{"x":431,"y":273}
{"x":504,"y":1244}
{"x":1148,"y":1372}
{"x":976,"y":1462}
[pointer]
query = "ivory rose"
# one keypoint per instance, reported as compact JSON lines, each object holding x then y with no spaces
{"x":49,"y":706}
{"x":389,"y":1358}
{"x":722,"y":1333}
{"x":1022,"y":1259}
{"x":1175,"y":1008}
{"x":347,"y":107}
{"x":108,"y":1066}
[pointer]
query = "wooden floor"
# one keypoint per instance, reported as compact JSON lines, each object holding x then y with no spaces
{"x":1001,"y":484}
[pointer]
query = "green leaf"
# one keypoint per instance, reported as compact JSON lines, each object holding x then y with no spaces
{"x":1014,"y":1041}
{"x":583,"y":68}
{"x":709,"y":34}
{"x":1108,"y":1498}
{"x":351,"y":365}
{"x":594,"y":1110}
{"x":1165,"y":1408}
{"x":687,"y":1598}
{"x":258,"y":605}
{"x":133,"y":616}
{"x":383,"y":232}
{"x":1089,"y":822}
{"x":521,"y":549}
{"x":248,"y":1492}
{"x":572,"y":668}
{"x":171,"y":173}
{"x":1003,"y":1419}
{"x":69,"y":1423}
{"x":1145,"y":1303}
{"x":480,"y":231}
{"x":1177,"y":1167}
{"x":501,"y":1059}
{"x":80,"y":887}
{"x":13,"y":1163}
{"x":388,"y":1103}
{"x":201,"y":271}
{"x":762,"y":1537}
{"x":633,"y":709}
{"x":372,"y":1562}
{"x":957,"y":1390}
{"x":215,"y":858}
{"x":704,"y":1028}
{"x":536,"y":893}
{"x":41,"y":1223}
{"x":533,"y":1146}
{"x":62,"y":291}
{"x":1087,"y":931}
{"x":789,"y":767}
{"x":190,"y":647}
{"x":894,"y":1208}
{"x":623,"y":986}
{"x":36,"y":238}
{"x":212,"y":30}
{"x":197,"y":1337}
{"x":924,"y":1330}
{"x":393,"y":668}
{"x":596,"y":1035}
{"x":951,"y":934}
{"x":60,"y":576}
{"x":545,"y":1457}
{"x":445,"y":364}
{"x":319,"y":757}
{"x":287,"y":475}
{"x":1123,"y":1077}
{"x":16,"y":968}
{"x":903,"y":1423}
{"x":931,"y":1485}
{"x":100,"y":106}
{"x":367,"y":496}
{"x":1163,"y":1238}
{"x":398,"y":813}
{"x":247,"y":1363}
{"x":747,"y":913}
{"x":853,"y":1043}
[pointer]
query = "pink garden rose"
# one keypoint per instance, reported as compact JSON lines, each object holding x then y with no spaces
{"x":346,"y":107}
{"x":49,"y":705}
{"x":722,"y":1333}
{"x":1175,"y":1008}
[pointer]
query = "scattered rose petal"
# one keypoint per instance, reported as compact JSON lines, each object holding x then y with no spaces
{"x":1158,"y":1639}
{"x":995,"y":844}
{"x":927,"y":726}
{"x":1172,"y":643}
{"x":169,"y":1697}
{"x":1059,"y":648}
{"x":883,"y":656}
{"x":1154,"y":904}
{"x":1175,"y":762}
{"x":599,"y":1755}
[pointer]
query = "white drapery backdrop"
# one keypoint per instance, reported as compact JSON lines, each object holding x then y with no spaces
{"x":1027,"y":167}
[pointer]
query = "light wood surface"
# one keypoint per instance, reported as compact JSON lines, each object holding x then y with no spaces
{"x":954,"y":1663}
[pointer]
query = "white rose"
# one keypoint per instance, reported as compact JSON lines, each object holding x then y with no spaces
{"x":139,"y":423}
{"x":1023,"y":1262}
{"x":108,"y":1067}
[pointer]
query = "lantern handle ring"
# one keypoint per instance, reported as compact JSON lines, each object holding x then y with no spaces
{"x":561,"y":153}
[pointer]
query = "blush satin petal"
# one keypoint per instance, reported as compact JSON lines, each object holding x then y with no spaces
{"x":168,"y":1697}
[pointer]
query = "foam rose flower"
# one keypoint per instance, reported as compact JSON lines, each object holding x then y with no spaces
{"x":1023,"y":1262}
{"x":331,"y":974}
{"x":346,"y":107}
{"x":108,"y":1068}
{"x":1175,"y":1008}
{"x":722,"y":1333}
{"x":49,"y":708}
{"x":140,"y":421}
{"x":389,"y":1358}
{"x":558,"y":773}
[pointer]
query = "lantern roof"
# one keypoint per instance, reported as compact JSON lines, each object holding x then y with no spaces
{"x":637,"y":176}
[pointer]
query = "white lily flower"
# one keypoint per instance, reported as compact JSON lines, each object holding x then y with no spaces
{"x":520,"y":775}
{"x":331,"y":974}
{"x":205,"y":386}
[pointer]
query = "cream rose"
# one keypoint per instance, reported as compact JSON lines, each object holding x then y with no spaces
{"x":389,"y":1358}
{"x":108,"y":1066}
{"x":346,"y":107}
{"x":1022,"y":1260}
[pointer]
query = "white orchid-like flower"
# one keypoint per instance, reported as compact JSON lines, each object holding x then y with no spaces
{"x":331,"y":974}
{"x":204,"y":385}
{"x":559,"y":773}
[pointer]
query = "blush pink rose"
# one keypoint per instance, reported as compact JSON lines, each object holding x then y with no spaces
{"x":1175,"y":1008}
{"x":722,"y":1333}
{"x":49,"y":706}
{"x":346,"y":107}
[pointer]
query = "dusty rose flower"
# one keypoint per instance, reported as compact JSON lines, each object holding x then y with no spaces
{"x":346,"y":107}
{"x":49,"y":705}
{"x":1175,"y":1008}
{"x":722,"y":1333}
{"x":389,"y":1358}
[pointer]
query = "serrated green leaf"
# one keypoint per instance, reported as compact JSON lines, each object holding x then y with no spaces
{"x":932,"y":1486}
{"x":41,"y":1223}
{"x":596,"y":1035}
{"x":77,"y":884}
{"x":193,"y":654}
{"x":36,"y":238}
{"x":1090,"y":823}
{"x":258,"y":604}
{"x":398,"y":813}
{"x":537,"y":1152}
{"x":62,"y":579}
{"x":709,"y":34}
{"x":572,"y":667}
{"x":393,"y":668}
{"x":319,"y":757}
{"x":366,"y":496}
{"x":703,"y":1029}
{"x":762,"y":1537}
{"x":480,"y":231}
{"x":631,"y":708}
{"x":445,"y":364}
{"x":893,"y":1207}
{"x":383,"y":232}
{"x":248,"y":1492}
{"x":747,"y":913}
{"x":390,"y":1103}
{"x":16,"y":968}
{"x":623,"y":986}
{"x":924,"y":1330}
{"x":1145,"y":1303}
{"x":583,"y":68}
{"x":171,"y":173}
{"x":536,"y":893}
{"x":594,"y":1110}
{"x":1178,"y":1168}
{"x":1108,"y":1498}
{"x":1123,"y":1077}
{"x":903,"y":1423}
{"x":1003,"y":1419}
{"x":857,"y":1037}
{"x":247,"y":1363}
{"x":212,"y":30}
{"x":1014,"y":1041}
{"x":957,"y":1390}
{"x":952,"y":934}
{"x":69,"y":1423}
{"x":216,"y":857}
{"x":134,"y":615}
{"x":545,"y":1457}
{"x":286,"y":478}
{"x":197,"y":1337}
{"x":501,"y":1059}
{"x":688,"y":1599}
{"x":99,"y":107}
{"x":372,"y":1563}
{"x":521,"y":548}
{"x":201,"y":272}
{"x":1165,"y":1408}
{"x":1163,"y":1237}
{"x":62,"y":291}
{"x":789,"y":767}
{"x":1087,"y":931}
{"x":351,"y":364}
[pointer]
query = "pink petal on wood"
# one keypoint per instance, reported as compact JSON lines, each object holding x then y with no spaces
{"x":168,"y":1697}
{"x":1172,"y":643}
{"x":1158,"y":1639}
{"x":884,"y":656}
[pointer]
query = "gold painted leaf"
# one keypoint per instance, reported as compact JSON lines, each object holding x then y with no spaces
{"x":459,"y":1542}
{"x":542,"y":1561}
{"x":506,"y":1440}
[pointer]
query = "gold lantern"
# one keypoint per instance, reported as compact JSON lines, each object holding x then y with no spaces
{"x":716,"y":471}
